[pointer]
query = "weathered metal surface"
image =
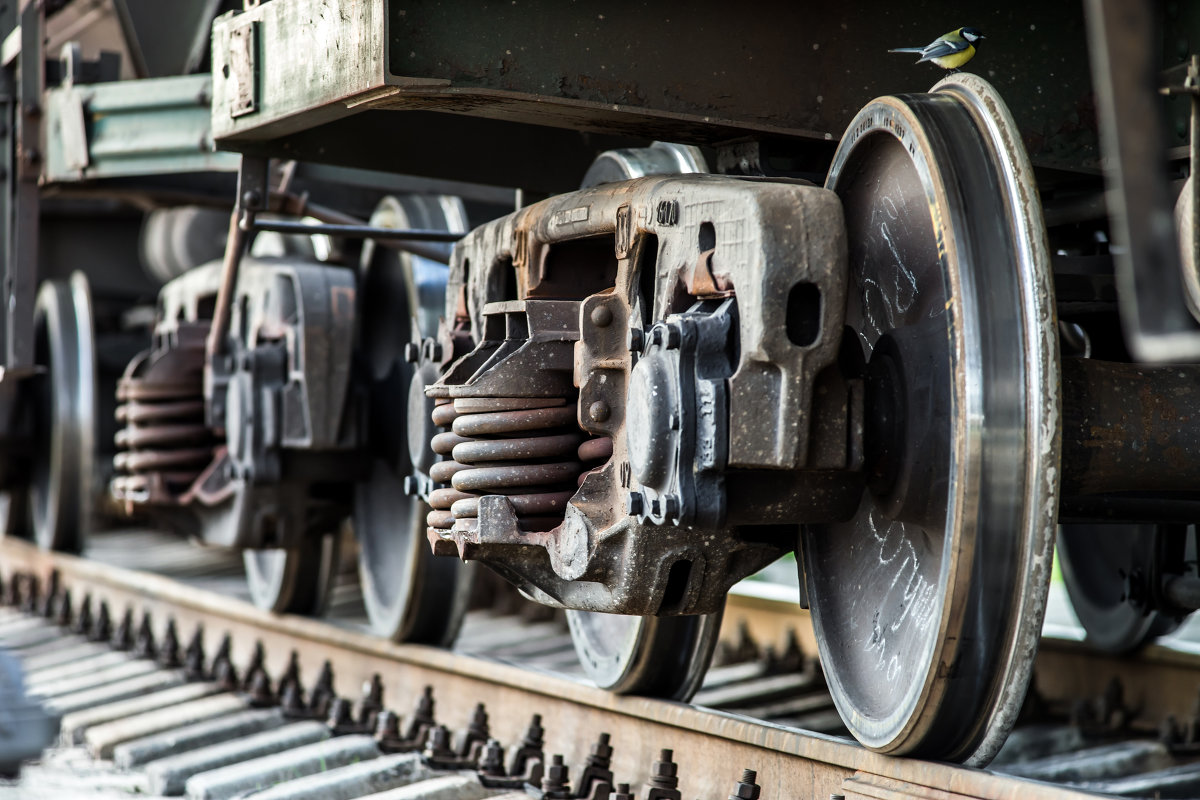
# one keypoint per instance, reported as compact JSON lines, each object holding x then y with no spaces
{"x":947,"y":560}
{"x":619,"y":247}
{"x":795,"y":71}
{"x":131,"y":128}
{"x":1129,"y":428}
{"x":1151,"y":290}
{"x":282,"y":388}
{"x":788,"y":762}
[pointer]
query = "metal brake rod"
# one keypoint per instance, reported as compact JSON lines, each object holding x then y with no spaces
{"x":355,"y":231}
{"x":432,"y":244}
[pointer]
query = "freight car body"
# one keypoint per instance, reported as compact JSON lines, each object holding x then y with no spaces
{"x":870,"y":326}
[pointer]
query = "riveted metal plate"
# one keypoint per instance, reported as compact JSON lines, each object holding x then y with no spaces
{"x":243,"y":69}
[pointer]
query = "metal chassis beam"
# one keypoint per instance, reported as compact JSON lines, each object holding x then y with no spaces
{"x":700,"y":75}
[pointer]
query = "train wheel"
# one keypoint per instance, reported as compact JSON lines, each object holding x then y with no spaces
{"x":1095,"y":561}
{"x":409,"y":595}
{"x":649,"y":656}
{"x":63,"y":414}
{"x":293,"y":581}
{"x":652,"y":656}
{"x":928,"y":605}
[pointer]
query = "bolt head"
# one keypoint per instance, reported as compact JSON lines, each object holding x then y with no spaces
{"x":746,"y":791}
{"x":410,"y":485}
{"x":599,"y":411}
{"x":412,"y":352}
{"x":602,"y":316}
{"x":656,"y":507}
{"x":636,"y":340}
{"x":673,"y":337}
{"x":634,"y":503}
{"x":671,"y":505}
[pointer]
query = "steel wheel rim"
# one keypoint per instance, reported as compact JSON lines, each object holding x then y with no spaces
{"x":1092,"y":558}
{"x":293,"y":581}
{"x":662,"y":657}
{"x":654,"y":656}
{"x":60,"y":491}
{"x":409,"y":595}
{"x":945,"y":691}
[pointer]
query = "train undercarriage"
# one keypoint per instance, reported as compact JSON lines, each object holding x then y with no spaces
{"x":658,"y":336}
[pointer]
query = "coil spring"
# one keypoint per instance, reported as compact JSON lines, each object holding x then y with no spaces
{"x":527,"y":449}
{"x":164,"y":444}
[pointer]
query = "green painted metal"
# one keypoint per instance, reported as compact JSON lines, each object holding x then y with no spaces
{"x":157,"y":126}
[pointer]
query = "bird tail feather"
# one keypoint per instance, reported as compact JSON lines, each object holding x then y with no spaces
{"x":907,"y":50}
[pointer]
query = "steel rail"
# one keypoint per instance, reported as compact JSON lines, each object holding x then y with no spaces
{"x":711,"y":747}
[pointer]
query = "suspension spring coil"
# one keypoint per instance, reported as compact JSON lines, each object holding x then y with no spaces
{"x":164,"y":444}
{"x":526,"y":449}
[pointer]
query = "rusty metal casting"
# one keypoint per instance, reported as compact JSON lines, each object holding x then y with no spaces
{"x":549,"y":510}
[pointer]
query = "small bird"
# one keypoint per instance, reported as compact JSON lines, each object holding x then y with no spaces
{"x":950,"y":51}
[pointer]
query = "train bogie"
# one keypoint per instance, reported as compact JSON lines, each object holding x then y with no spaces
{"x":862,"y":331}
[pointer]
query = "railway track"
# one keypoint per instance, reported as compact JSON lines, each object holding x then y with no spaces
{"x":309,"y":693}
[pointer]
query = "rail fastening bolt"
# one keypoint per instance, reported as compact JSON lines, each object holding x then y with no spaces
{"x":424,"y":710}
{"x":554,"y":782}
{"x":83,"y":619}
{"x":437,"y":746}
{"x":478,"y":726}
{"x":122,"y":637}
{"x":168,"y":651}
{"x":102,"y":627}
{"x":292,"y":700}
{"x":491,"y":760}
{"x":747,"y":788}
{"x":63,"y":612}
{"x":260,"y":690}
{"x":602,"y":751}
{"x":340,"y":718}
{"x":387,"y":725}
{"x":666,"y":771}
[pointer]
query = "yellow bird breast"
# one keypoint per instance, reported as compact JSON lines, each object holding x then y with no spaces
{"x":955,"y":60}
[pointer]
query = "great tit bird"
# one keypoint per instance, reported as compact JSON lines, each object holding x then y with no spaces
{"x":950,"y":51}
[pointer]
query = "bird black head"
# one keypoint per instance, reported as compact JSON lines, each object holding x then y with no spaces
{"x":972,"y":34}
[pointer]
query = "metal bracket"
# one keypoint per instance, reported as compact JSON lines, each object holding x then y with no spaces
{"x":253,"y":192}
